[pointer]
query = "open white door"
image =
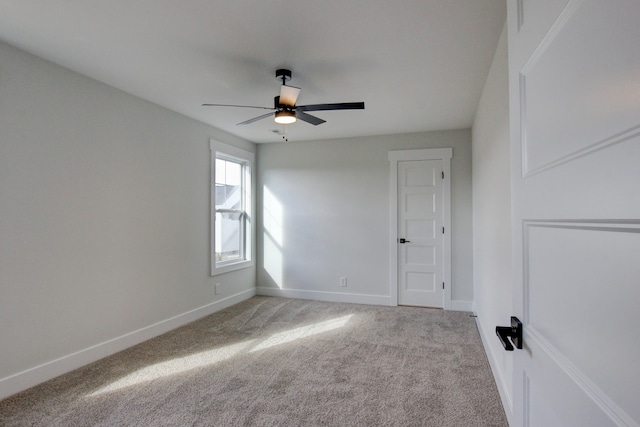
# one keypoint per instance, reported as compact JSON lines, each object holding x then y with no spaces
{"x":574,"y":71}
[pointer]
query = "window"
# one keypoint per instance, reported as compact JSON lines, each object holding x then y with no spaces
{"x":231,"y":219}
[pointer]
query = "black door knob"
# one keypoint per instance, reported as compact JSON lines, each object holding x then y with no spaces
{"x":514,"y":332}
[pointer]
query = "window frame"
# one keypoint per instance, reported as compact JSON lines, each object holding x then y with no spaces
{"x":246,"y":158}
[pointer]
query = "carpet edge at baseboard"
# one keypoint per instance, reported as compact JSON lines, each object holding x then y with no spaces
{"x":456,"y":305}
{"x":325,"y":296}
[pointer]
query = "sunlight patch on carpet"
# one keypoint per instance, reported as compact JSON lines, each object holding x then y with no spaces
{"x":210,"y":357}
{"x":174,"y":367}
{"x":302,"y":332}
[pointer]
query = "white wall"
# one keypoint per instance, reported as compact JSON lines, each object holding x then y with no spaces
{"x":326,"y":215}
{"x":492,"y":215}
{"x":104,"y":221}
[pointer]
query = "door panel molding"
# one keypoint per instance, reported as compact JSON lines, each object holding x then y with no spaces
{"x":581,"y":97}
{"x":610,"y":410}
{"x":625,"y":237}
{"x":520,"y":9}
{"x":444,"y":154}
{"x":604,"y":225}
{"x":526,"y":398}
{"x":552,"y":398}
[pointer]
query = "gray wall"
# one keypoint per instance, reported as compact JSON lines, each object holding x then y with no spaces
{"x":327,"y":215}
{"x":492,"y":212}
{"x":104,"y":220}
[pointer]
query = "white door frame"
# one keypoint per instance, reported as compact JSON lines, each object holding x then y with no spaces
{"x":444,"y":154}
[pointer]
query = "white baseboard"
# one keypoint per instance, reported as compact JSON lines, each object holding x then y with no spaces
{"x":503,"y":388}
{"x":325,"y":296}
{"x":461,"y":305}
{"x":456,"y":305}
{"x":23,"y":380}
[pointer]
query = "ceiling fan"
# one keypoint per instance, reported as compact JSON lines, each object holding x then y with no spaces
{"x":285,"y":109}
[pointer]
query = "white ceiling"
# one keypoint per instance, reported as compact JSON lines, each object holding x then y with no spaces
{"x":418,"y":65}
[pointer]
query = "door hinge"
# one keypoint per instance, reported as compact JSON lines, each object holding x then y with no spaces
{"x":442,"y":285}
{"x":442,"y":230}
{"x":442,"y":174}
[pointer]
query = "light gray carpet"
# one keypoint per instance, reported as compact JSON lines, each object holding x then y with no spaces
{"x":282,"y":362}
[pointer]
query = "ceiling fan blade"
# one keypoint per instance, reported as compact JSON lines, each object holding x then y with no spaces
{"x":309,"y":118}
{"x":289,"y":95}
{"x":325,"y":107}
{"x":240,"y":106}
{"x":255,"y":119}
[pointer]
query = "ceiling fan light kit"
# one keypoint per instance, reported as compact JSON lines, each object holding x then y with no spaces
{"x":285,"y":110}
{"x":285,"y":117}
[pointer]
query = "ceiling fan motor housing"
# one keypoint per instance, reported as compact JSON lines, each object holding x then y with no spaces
{"x":278,"y":106}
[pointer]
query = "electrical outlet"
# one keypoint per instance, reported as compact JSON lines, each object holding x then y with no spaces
{"x":343,"y":282}
{"x":217,"y":289}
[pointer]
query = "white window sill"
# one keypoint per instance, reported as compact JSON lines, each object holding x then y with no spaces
{"x":226,"y":268}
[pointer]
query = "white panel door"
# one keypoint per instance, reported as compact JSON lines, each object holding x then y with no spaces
{"x":574,"y":79}
{"x":420,"y":242}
